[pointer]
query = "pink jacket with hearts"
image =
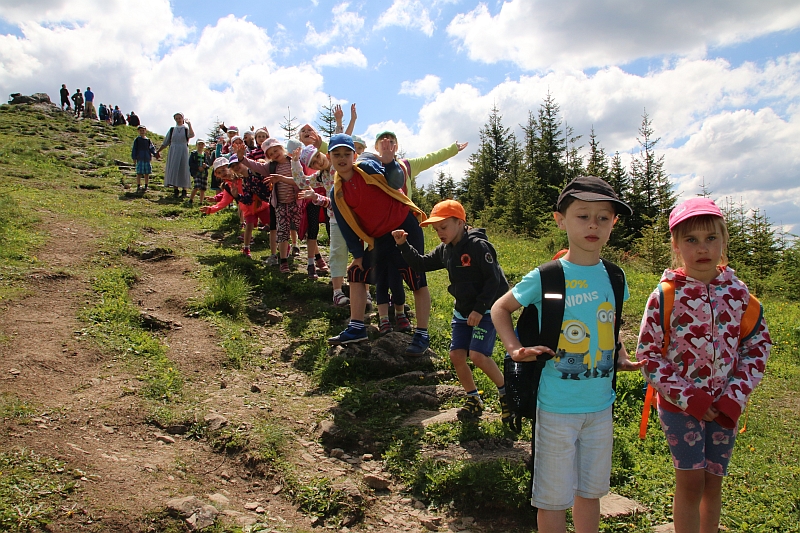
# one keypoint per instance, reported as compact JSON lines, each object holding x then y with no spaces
{"x":706,"y":365}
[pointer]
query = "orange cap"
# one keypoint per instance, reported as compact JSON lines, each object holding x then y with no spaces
{"x":446,"y":209}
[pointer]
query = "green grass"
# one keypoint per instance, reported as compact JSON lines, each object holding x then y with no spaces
{"x":31,"y":487}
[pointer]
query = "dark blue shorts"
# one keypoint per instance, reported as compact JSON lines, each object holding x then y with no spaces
{"x":390,"y":267}
{"x":697,"y":444}
{"x":478,"y":339}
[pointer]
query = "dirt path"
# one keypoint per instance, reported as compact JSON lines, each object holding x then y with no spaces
{"x":90,"y":415}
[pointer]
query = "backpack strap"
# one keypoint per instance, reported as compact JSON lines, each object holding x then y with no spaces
{"x":273,"y":166}
{"x":169,"y":136}
{"x":753,"y":314}
{"x":617,"y":278}
{"x":551,"y":275}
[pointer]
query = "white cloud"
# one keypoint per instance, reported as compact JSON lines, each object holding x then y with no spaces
{"x":349,"y":57}
{"x":426,"y":87}
{"x":409,"y":14}
{"x":714,"y":122}
{"x":157,"y":71}
{"x":342,"y":26}
{"x":541,"y":34}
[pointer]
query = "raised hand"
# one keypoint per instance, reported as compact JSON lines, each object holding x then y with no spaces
{"x":462,"y":145}
{"x":400,"y":236}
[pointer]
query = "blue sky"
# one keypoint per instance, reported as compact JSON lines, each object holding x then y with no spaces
{"x":718,"y":78}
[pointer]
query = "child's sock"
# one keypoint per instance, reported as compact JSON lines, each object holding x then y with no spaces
{"x":311,"y":261}
{"x":501,"y":390}
{"x":284,"y":260}
{"x":474,"y":393}
{"x":384,"y":320}
{"x":422,"y":332}
{"x":356,"y":324}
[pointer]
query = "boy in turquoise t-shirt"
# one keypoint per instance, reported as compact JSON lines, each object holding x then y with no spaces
{"x":574,"y":429}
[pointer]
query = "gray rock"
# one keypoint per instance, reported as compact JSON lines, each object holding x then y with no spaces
{"x":215,"y":421}
{"x":219,"y":499}
{"x":184,"y":507}
{"x":274,"y":316}
{"x":431,"y":523}
{"x":251,"y":506}
{"x":377,"y":482}
{"x":613,"y":505}
{"x":202,"y":518}
{"x":166,"y":439}
{"x":337,"y":453}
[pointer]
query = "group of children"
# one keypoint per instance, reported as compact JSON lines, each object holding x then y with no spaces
{"x":693,"y":351}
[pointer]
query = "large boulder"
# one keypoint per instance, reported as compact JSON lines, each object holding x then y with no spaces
{"x":35,"y":98}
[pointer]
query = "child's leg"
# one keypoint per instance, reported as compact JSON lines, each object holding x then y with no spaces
{"x":552,"y":521}
{"x":586,"y":515}
{"x":282,"y":214}
{"x":248,"y":233}
{"x":146,"y":180}
{"x":711,"y":504}
{"x":191,"y":197}
{"x":273,"y":231}
{"x":489,"y":367}
{"x":689,"y":488}
{"x":202,"y":195}
{"x":138,"y":181}
{"x":422,"y":306}
{"x":463,"y":371}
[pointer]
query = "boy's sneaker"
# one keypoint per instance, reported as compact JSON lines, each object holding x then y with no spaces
{"x":419,"y":345}
{"x":271,"y":260}
{"x":312,"y":273}
{"x":321,"y":264}
{"x":284,"y":268}
{"x":385,"y":327}
{"x":246,"y":252}
{"x":472,"y":410}
{"x":348,"y":336}
{"x":403,"y":324}
{"x":340,"y":300}
{"x":505,"y":410}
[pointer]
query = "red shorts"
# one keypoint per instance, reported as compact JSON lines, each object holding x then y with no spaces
{"x":262,"y":215}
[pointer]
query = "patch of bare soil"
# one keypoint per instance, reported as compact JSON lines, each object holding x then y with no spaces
{"x":90,"y":415}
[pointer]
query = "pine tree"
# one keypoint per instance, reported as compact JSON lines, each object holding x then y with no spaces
{"x":289,"y":125}
{"x":652,"y":197}
{"x":764,"y":251}
{"x":619,"y":180}
{"x":736,"y":219}
{"x":597,"y":165}
{"x":444,"y":186}
{"x":573,"y":158}
{"x":550,"y":151}
{"x":326,"y":121}
{"x":653,"y":247}
{"x":487,"y":163}
{"x":214,"y":133}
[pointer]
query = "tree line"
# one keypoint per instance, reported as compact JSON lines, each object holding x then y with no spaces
{"x":513,"y":183}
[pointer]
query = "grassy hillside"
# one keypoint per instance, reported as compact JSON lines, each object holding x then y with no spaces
{"x":53,"y":164}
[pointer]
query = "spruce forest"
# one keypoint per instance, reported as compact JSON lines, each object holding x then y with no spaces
{"x":513,"y":184}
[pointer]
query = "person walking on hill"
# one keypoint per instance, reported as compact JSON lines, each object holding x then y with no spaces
{"x":177,"y":173}
{"x":90,"y":111}
{"x":65,"y":97}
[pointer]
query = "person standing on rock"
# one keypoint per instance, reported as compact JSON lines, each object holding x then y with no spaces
{"x":177,"y":173}
{"x":476,"y":281}
{"x":77,"y":98}
{"x":90,"y":111}
{"x":65,"y":97}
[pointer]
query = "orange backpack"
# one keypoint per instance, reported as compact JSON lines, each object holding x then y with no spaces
{"x":750,"y":318}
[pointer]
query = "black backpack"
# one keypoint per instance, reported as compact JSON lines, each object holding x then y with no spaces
{"x":522,"y":378}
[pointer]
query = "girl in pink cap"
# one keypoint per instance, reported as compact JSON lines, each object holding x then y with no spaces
{"x":704,"y":358}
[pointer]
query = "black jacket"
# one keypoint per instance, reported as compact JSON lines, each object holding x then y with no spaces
{"x":476,"y":280}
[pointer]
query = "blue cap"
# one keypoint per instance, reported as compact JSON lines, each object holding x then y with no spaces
{"x":341,"y":139}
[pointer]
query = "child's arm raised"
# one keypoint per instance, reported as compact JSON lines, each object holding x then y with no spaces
{"x":353,"y":116}
{"x":501,"y":318}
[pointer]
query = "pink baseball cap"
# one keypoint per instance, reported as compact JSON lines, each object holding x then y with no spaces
{"x":693,"y":207}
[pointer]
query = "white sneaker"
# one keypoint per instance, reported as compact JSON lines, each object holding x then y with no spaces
{"x":340,"y":300}
{"x":271,"y":260}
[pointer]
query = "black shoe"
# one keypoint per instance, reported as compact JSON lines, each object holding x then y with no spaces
{"x":183,"y":193}
{"x":175,"y":193}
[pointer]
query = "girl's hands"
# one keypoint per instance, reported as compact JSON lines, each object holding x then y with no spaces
{"x":296,"y":154}
{"x":400,"y":236}
{"x":306,"y":194}
{"x":240,"y":149}
{"x":387,"y":149}
{"x":353,"y":114}
{"x":462,"y":145}
{"x":626,"y":365}
{"x":205,"y":209}
{"x":315,"y":138}
{"x":711,"y":414}
{"x":338,"y":114}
